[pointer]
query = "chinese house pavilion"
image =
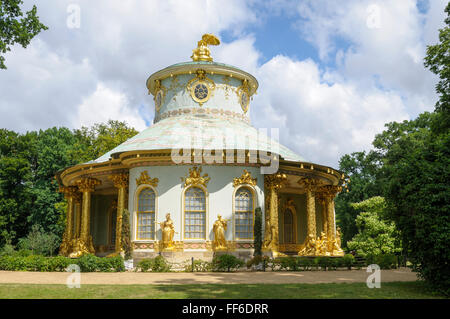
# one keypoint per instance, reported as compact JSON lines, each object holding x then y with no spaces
{"x":191,"y":181}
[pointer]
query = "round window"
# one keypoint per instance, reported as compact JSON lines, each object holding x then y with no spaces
{"x":158,"y":99}
{"x":244,"y":101}
{"x":201,"y":91}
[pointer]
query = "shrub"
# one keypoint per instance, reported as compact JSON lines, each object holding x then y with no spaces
{"x":348,"y":261}
{"x":157,"y":264}
{"x":258,"y":260}
{"x":7,"y":250}
{"x":58,"y":263}
{"x":87,"y":263}
{"x":316,"y":262}
{"x":39,"y":242}
{"x":199,"y":266}
{"x":305,"y":262}
{"x":160,"y":264}
{"x":226,"y":262}
{"x":257,"y":230}
{"x":324,"y":262}
{"x":145,"y":265}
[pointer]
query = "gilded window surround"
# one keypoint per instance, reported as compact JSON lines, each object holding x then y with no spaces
{"x":135,"y":218}
{"x":251,"y":188}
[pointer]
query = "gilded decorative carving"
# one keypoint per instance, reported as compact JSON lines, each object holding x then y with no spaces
{"x":243,"y":93}
{"x":201,"y":87}
{"x":219,"y":228}
{"x":160,"y":94}
{"x":87,"y":184}
{"x":202,"y":52}
{"x":245,"y":178}
{"x":119,"y":180}
{"x":195,"y":178}
{"x":145,"y":179}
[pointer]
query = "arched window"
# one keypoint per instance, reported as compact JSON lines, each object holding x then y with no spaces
{"x":146,"y":214}
{"x":194,"y":213}
{"x":243,"y":213}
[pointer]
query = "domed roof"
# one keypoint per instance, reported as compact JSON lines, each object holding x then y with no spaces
{"x":202,"y":104}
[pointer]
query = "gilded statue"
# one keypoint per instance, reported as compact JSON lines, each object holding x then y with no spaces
{"x":336,"y":248}
{"x":168,"y":230}
{"x":219,"y":228}
{"x":268,"y":233}
{"x":64,"y":249}
{"x":322,"y":245}
{"x":310,"y":247}
{"x":202,"y":52}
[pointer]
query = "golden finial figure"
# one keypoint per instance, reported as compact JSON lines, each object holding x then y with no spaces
{"x":202,"y":53}
{"x":219,"y":228}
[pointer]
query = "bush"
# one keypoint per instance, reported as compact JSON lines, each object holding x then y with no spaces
{"x":386,"y":261}
{"x":348,"y":261}
{"x":226,"y":262}
{"x":157,"y":264}
{"x":258,"y":260}
{"x":199,"y":266}
{"x":39,"y":242}
{"x":87,"y":263}
{"x":324,"y":262}
{"x":305,"y":262}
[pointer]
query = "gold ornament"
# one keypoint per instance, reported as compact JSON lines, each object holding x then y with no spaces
{"x":145,"y":179}
{"x":168,"y":230}
{"x":201,"y":87}
{"x":243,"y":93}
{"x":195,"y":178}
{"x":202,"y":52}
{"x":245,"y":178}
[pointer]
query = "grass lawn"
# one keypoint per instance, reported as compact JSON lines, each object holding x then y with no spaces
{"x":391,"y":290}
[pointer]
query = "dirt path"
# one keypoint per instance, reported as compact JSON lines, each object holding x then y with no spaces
{"x":133,"y":278}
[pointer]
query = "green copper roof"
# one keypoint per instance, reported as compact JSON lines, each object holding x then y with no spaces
{"x":201,"y":132}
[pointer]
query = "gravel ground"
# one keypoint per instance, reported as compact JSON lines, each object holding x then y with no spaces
{"x":171,"y":278}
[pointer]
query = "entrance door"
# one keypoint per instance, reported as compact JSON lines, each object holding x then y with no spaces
{"x":288,"y":226}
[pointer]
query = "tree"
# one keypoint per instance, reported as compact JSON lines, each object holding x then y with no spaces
{"x":362,"y":168}
{"x":100,"y":138}
{"x":257,"y":232}
{"x":438,"y":61}
{"x":15,"y":28}
{"x":376,"y":235}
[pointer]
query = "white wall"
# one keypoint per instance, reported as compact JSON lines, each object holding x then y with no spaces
{"x":170,"y":188}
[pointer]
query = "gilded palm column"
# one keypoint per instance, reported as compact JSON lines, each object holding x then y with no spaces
{"x":273,"y":183}
{"x":330,"y":194}
{"x":121,"y":183}
{"x":321,"y":198}
{"x":77,"y":202}
{"x":69,"y":194}
{"x":310,"y":185}
{"x":84,"y":243}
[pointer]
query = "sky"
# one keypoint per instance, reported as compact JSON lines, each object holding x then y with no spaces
{"x":331,"y":73}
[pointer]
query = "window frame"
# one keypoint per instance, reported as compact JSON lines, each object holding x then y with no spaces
{"x":253,"y":192}
{"x":183,"y":209}
{"x":138,"y":191}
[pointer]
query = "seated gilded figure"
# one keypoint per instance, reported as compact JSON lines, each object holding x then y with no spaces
{"x":309,"y":248}
{"x":219,"y":228}
{"x":168,"y":230}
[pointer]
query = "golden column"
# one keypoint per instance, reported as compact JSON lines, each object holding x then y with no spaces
{"x":121,"y":183}
{"x":310,"y":185}
{"x":84,"y":242}
{"x":77,"y":203}
{"x":330,"y":193}
{"x":69,"y":194}
{"x":321,"y":198}
{"x":273,"y":183}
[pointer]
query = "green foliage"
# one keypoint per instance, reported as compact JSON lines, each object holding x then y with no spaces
{"x":257,"y":231}
{"x":39,"y":242}
{"x":257,"y":261}
{"x":28,"y":163}
{"x":363,"y":170}
{"x":100,"y":139}
{"x":376,"y":235}
{"x":15,"y":27}
{"x":226,"y":262}
{"x":157,"y":264}
{"x":126,"y":234}
{"x":438,"y":61}
{"x":348,"y":261}
{"x":87,"y":263}
{"x":385,"y":261}
{"x":199,"y":266}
